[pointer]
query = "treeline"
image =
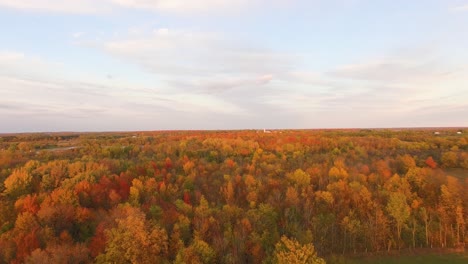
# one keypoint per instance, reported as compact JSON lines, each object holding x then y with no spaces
{"x":230,"y":196}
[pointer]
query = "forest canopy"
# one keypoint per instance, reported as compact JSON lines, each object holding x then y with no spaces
{"x":289,"y":196}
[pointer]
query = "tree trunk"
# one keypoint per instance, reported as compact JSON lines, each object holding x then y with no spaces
{"x":445,"y":234}
{"x":414,"y":233}
{"x":427,"y":233}
{"x":441,"y":241}
{"x":398,"y":235}
{"x":344,"y":243}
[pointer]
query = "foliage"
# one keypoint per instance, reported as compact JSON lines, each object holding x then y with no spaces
{"x":289,"y":251}
{"x":230,"y":196}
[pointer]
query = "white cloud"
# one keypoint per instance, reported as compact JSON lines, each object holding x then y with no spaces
{"x":396,"y":70}
{"x":59,"y":6}
{"x":220,"y":84}
{"x":393,"y":88}
{"x":205,"y":64}
{"x":212,"y":64}
{"x":31,"y":92}
{"x":104,"y":6}
{"x":177,"y":53}
{"x":460,"y":8}
{"x":8,"y":56}
{"x":14,"y":63}
{"x":204,"y":79}
{"x":183,"y":5}
{"x":78,"y":35}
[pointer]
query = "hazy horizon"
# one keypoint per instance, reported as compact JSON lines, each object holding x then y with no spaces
{"x":441,"y":129}
{"x":138,"y":65}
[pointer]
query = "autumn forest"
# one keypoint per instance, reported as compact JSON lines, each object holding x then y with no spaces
{"x":281,"y":196}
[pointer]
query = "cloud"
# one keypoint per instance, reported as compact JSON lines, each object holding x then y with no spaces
{"x":106,"y":6}
{"x":276,"y":83}
{"x":59,"y":6}
{"x":393,"y":70}
{"x":210,"y":64}
{"x":73,"y":104}
{"x":415,"y":76}
{"x":221,"y":84}
{"x":183,"y":5}
{"x":392,"y":90}
{"x":65,"y":96}
{"x":78,"y":35}
{"x":19,"y":64}
{"x":8,"y":56}
{"x":172,"y":52}
{"x":207,"y":80}
{"x":462,"y":8}
{"x":35,"y":105}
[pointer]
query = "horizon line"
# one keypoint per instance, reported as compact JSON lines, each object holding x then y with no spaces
{"x":232,"y":130}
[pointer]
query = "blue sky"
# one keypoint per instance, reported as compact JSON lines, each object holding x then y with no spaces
{"x":104,"y":65}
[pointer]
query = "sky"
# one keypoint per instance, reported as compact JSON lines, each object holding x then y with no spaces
{"x":127,"y":65}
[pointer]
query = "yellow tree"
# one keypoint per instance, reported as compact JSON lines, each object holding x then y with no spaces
{"x":299,"y":178}
{"x":133,"y":240}
{"x":290,"y":251}
{"x":197,"y":253}
{"x":399,"y":210}
{"x":18,"y":183}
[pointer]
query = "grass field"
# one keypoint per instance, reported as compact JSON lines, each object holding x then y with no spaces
{"x":453,"y":258}
{"x":450,"y":258}
{"x":457,"y":173}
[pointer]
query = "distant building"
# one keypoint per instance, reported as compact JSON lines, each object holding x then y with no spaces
{"x":459,"y":132}
{"x":437,"y":133}
{"x":266,"y":131}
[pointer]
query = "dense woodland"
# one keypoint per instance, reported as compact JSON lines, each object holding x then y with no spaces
{"x":296,"y":196}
